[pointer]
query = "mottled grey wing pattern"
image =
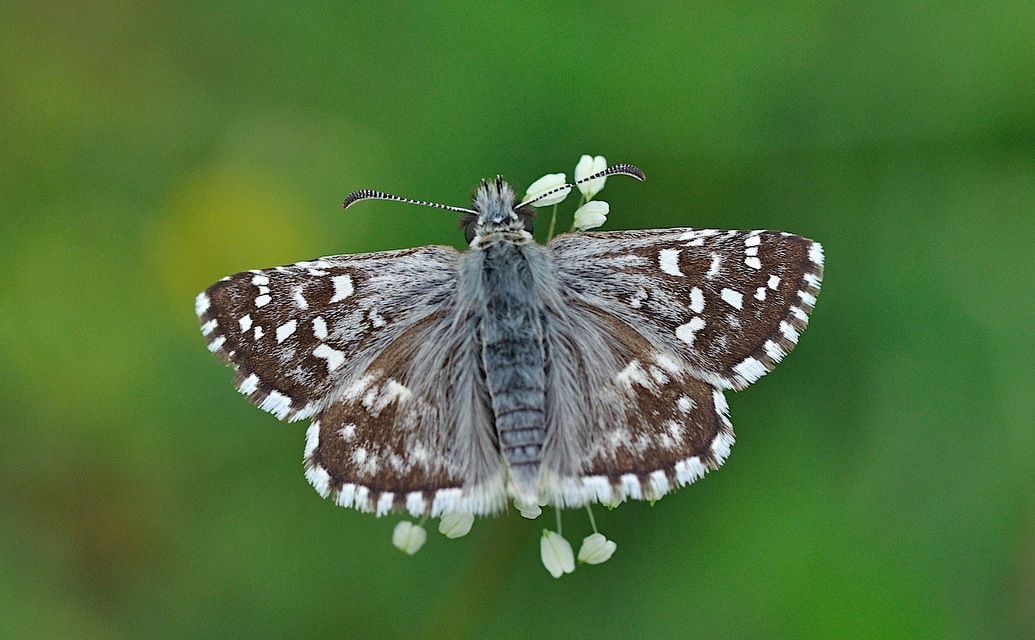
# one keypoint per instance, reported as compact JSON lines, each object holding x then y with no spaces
{"x":296,"y":334}
{"x":731,"y":303}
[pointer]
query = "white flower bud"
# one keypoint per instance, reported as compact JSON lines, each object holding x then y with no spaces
{"x":587,"y":166}
{"x":591,"y":215}
{"x":556,"y":554}
{"x":547,"y":183}
{"x":529,"y":510}
{"x":455,"y":525}
{"x":409,"y":537}
{"x":596,"y":549}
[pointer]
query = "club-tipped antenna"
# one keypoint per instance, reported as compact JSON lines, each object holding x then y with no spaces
{"x":615,"y":169}
{"x":373,"y":194}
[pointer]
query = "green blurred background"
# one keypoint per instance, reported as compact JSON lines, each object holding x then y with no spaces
{"x":882,"y":484}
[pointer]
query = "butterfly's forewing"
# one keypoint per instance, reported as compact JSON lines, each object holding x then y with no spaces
{"x":296,"y":334}
{"x":732,"y":303}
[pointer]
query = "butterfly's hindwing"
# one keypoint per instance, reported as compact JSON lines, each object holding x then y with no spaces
{"x":731,"y":302}
{"x":413,"y":431}
{"x":627,"y":421}
{"x":295,"y":334}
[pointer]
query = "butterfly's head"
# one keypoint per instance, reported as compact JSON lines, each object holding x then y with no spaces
{"x":495,"y":210}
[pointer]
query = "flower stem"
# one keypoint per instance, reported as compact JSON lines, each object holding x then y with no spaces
{"x":592,"y":520}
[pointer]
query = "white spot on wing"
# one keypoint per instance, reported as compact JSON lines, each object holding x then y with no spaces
{"x":753,"y":262}
{"x":201,"y":303}
{"x":658,"y":483}
{"x":300,"y":301}
{"x":320,"y":479}
{"x":750,"y":370}
{"x":249,"y":384}
{"x":320,"y":328}
{"x":689,"y":470}
{"x":258,"y":332}
{"x":376,"y":319}
{"x":262,"y":301}
{"x":245,"y":322}
{"x":752,"y":241}
{"x":342,"y":287}
{"x":713,"y":270}
{"x":733,"y":298}
{"x":260,"y":280}
{"x":760,"y":293}
{"x":668,"y":261}
{"x":789,"y":331}
{"x":415,"y":503}
{"x":688,"y":332}
{"x":774,"y":351}
{"x":667,"y":363}
{"x":216,"y":344}
{"x":285,"y":330}
{"x":348,"y":432}
{"x":721,"y":445}
{"x":632,"y":373}
{"x":696,"y":300}
{"x":816,"y":253}
{"x":384,"y":503}
{"x":630,"y":485}
{"x":333,"y":357}
{"x":395,"y":392}
{"x":209,"y":326}
{"x":774,"y":282}
{"x":312,"y":439}
{"x":685,"y":404}
{"x":276,"y":403}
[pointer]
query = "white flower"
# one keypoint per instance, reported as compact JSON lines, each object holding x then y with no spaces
{"x":455,"y":525}
{"x":591,"y":215}
{"x":409,"y":537}
{"x":547,"y":183}
{"x":596,"y":549}
{"x":556,"y":553}
{"x":586,"y":167}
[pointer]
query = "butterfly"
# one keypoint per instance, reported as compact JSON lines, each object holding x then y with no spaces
{"x":589,"y":369}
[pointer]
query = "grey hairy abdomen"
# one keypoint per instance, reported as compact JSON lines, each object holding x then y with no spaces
{"x":513,"y":356}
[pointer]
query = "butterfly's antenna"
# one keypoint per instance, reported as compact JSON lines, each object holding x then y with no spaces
{"x":371,"y":194}
{"x":615,"y":169}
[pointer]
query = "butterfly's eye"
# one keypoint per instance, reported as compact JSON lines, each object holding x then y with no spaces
{"x":468,"y":222}
{"x":527,"y":216}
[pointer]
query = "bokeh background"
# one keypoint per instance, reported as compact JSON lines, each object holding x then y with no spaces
{"x":882,"y":483}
